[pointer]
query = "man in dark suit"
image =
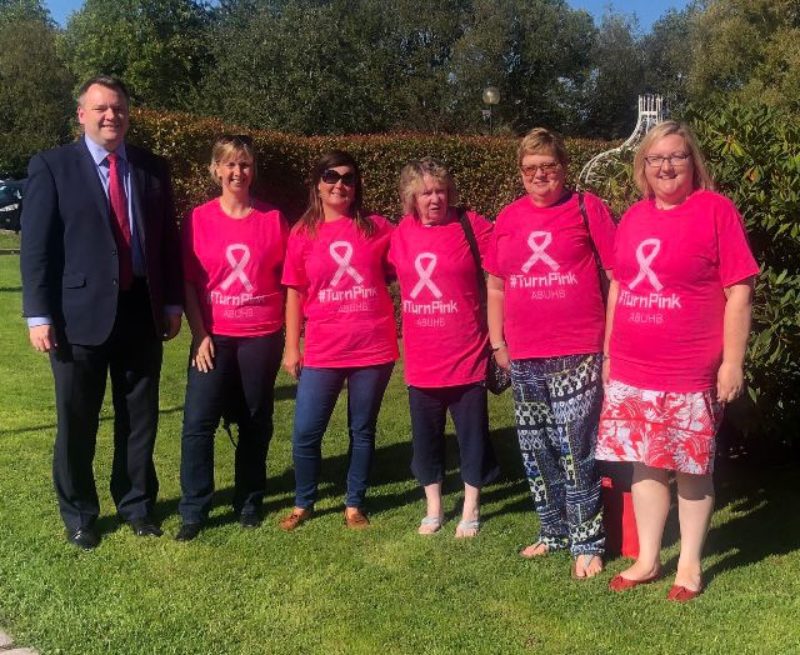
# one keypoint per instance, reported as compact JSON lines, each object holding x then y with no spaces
{"x":102,"y":287}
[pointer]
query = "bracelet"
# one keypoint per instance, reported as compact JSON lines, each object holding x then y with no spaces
{"x":499,"y":346}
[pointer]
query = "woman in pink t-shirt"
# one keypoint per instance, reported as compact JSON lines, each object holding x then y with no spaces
{"x":546,"y":317}
{"x":678,"y":322}
{"x":445,"y":338}
{"x":233,"y":250}
{"x":335,"y":274}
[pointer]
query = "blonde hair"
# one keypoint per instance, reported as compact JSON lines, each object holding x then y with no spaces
{"x":411,"y":182}
{"x":228,"y":146}
{"x":541,"y":141}
{"x":701,"y":178}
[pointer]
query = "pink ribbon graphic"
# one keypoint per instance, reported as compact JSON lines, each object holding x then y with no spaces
{"x":644,"y":260}
{"x":343,"y":259}
{"x":425,"y":271}
{"x":238,"y":266}
{"x":538,"y":248}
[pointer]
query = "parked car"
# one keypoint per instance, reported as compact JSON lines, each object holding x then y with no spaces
{"x":11,"y":192}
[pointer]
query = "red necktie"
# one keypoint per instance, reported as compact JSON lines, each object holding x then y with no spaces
{"x":119,"y":223}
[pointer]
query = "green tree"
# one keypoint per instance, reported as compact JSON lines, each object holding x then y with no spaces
{"x":748,"y":48}
{"x":616,"y":80}
{"x":158,"y":47}
{"x":35,"y":98}
{"x":535,"y":51}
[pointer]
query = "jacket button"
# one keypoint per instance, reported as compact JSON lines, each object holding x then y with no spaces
{"x":114,"y":282}
{"x":114,"y":252}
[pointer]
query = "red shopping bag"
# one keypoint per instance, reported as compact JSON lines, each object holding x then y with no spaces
{"x":618,"y":516}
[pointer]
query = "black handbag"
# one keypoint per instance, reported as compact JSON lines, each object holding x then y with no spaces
{"x":497,"y":379}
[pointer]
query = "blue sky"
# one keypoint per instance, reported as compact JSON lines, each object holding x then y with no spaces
{"x":646,"y":10}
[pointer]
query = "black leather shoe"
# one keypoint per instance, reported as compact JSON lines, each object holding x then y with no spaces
{"x":249,"y":520}
{"x":188,"y":531}
{"x":144,"y":527}
{"x":83,"y":538}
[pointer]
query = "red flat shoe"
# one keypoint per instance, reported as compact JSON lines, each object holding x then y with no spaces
{"x":618,"y":583}
{"x":680,"y":594}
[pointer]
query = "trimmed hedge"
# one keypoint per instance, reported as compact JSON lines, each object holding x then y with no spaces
{"x":484,"y":167}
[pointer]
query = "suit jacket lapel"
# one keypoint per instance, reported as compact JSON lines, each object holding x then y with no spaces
{"x":94,"y":185}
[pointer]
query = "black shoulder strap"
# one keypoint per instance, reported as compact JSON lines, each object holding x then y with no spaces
{"x":473,"y":248}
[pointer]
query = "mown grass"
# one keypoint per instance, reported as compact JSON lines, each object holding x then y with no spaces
{"x":325,"y":590}
{"x":9,"y":240}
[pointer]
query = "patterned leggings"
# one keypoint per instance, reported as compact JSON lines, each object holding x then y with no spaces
{"x":557,"y":404}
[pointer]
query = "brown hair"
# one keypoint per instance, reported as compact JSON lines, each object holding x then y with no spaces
{"x":701,"y":178}
{"x":107,"y":81}
{"x":541,"y":141}
{"x":411,"y":182}
{"x":314,"y":215}
{"x":226,"y":147}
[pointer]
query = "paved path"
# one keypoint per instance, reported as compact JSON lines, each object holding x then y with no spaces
{"x":7,"y":646}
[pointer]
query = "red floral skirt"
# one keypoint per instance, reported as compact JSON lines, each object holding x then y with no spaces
{"x":666,"y":430}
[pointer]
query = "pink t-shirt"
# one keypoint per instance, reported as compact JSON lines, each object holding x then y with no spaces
{"x":349,"y":313}
{"x":672,"y":268}
{"x":444,"y":335}
{"x":553,"y":301}
{"x":235,"y":266}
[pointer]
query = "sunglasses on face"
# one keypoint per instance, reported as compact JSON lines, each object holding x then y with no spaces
{"x":547,"y":168}
{"x":331,"y":176}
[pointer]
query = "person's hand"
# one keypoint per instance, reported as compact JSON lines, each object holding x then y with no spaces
{"x":203,"y":354}
{"x":730,"y":382}
{"x":502,"y":358}
{"x":293,"y":362}
{"x":170,"y":326}
{"x":606,"y":370}
{"x":43,"y":338}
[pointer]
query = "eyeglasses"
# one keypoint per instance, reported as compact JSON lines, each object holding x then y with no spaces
{"x":546,"y":168}
{"x":677,"y":159}
{"x":331,"y":176}
{"x":238,"y":140}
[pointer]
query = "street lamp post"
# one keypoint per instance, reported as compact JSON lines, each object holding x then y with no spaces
{"x":491,"y":97}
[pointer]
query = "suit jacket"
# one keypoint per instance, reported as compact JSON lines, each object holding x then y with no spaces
{"x":69,"y":260}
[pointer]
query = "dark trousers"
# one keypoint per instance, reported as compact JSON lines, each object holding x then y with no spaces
{"x":467,"y":405}
{"x":317,"y":392}
{"x":241,"y":386}
{"x":132,"y":355}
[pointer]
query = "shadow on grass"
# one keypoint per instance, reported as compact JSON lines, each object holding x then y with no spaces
{"x":10,"y":289}
{"x":763,"y":502}
{"x":103,"y":419}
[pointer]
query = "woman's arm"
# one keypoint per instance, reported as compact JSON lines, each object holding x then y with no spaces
{"x":495,"y":295}
{"x":613,"y":293}
{"x":202,"y":357}
{"x":738,"y":308}
{"x":292,"y":357}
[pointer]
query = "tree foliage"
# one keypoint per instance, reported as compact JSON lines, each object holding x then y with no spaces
{"x":35,"y":98}
{"x":157,"y":46}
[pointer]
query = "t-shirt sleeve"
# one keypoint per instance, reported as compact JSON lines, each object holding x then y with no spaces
{"x":294,"y":270}
{"x":483,"y":234}
{"x":602,"y":229}
{"x":736,"y":261}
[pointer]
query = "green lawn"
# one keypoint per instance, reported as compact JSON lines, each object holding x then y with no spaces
{"x":9,"y":240}
{"x":323,"y":589}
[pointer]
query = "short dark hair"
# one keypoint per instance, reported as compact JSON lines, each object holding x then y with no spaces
{"x":107,"y":81}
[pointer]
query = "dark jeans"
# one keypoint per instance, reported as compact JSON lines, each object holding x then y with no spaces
{"x":317,"y":391}
{"x":467,"y":405}
{"x":241,"y":385}
{"x":132,"y":355}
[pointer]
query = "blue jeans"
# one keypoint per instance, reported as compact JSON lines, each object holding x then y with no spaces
{"x":240,"y":387}
{"x":317,"y":391}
